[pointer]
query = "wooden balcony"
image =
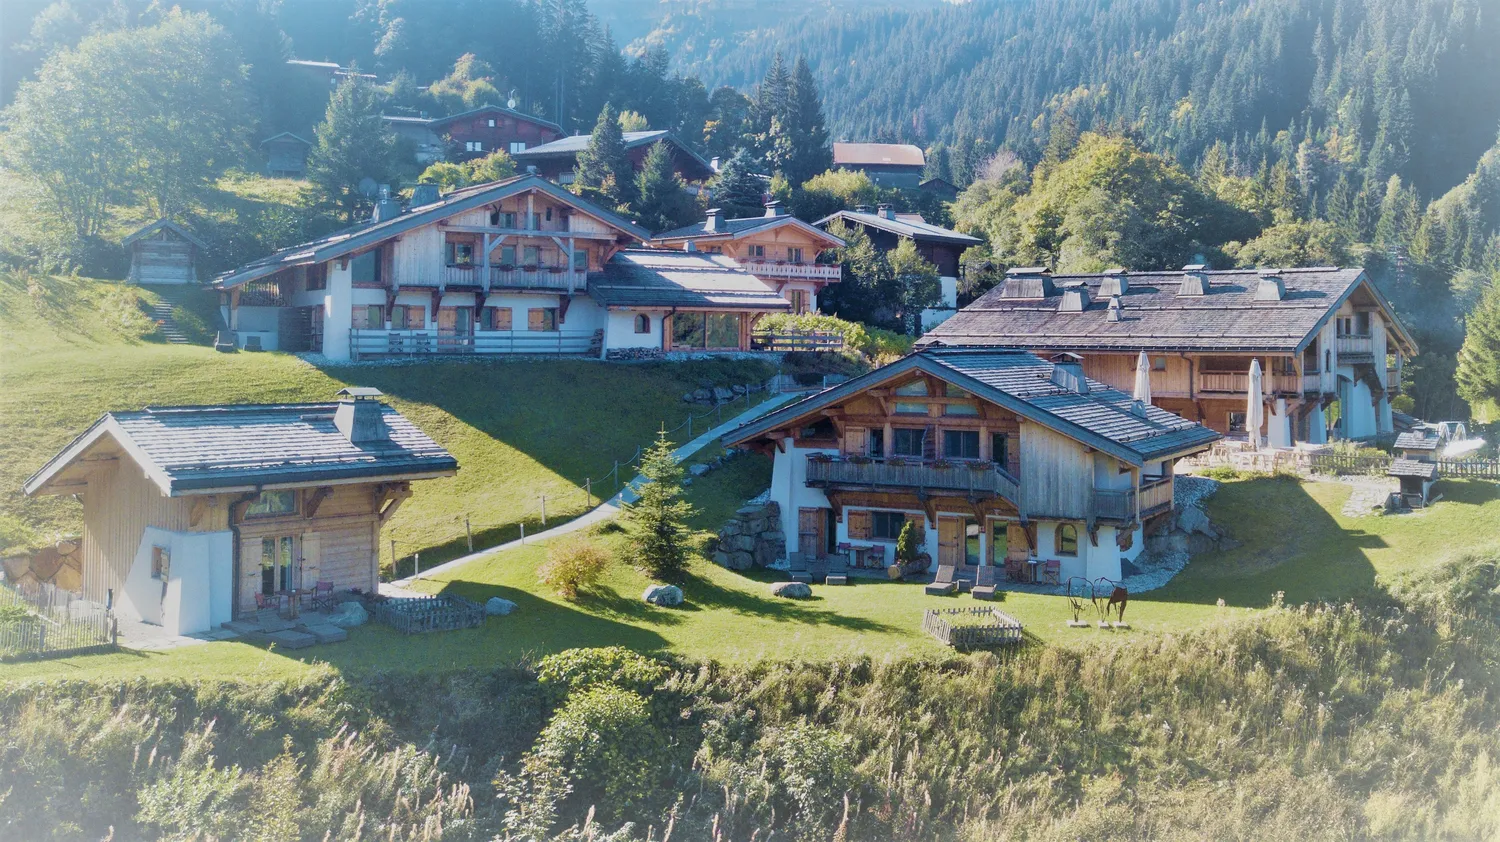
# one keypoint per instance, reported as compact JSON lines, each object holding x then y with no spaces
{"x":1312,"y":383}
{"x":1238,"y":383}
{"x":1121,"y":504}
{"x":365,"y":343}
{"x":971,"y":479}
{"x":512,"y":277}
{"x":1355,"y":345}
{"x":782,"y":270}
{"x":1155,"y":496}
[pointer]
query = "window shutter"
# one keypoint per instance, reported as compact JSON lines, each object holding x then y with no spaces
{"x":859,"y":525}
{"x":500,"y":318}
{"x":854,"y":441}
{"x":536,"y":319}
{"x":312,"y":562}
{"x":929,"y":443}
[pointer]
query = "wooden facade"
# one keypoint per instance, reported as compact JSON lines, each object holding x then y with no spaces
{"x":163,"y":253}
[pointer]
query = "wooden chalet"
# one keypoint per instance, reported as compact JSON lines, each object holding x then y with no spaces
{"x":776,"y":247}
{"x":887,"y":164}
{"x":558,"y":160}
{"x":190,"y":512}
{"x":286,"y":155}
{"x":514,"y":266}
{"x":163,"y":253}
{"x":942,"y":247}
{"x":472,"y":134}
{"x":1322,"y":336}
{"x":995,"y":455}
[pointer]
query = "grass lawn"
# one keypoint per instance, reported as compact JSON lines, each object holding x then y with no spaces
{"x":70,"y":349}
{"x":1295,"y":540}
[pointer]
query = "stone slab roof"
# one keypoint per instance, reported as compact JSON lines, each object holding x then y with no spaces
{"x":1156,"y":318}
{"x":665,"y":278}
{"x":1105,"y":418}
{"x":1413,"y":468}
{"x":196,"y":449}
{"x":1422,"y":438}
{"x":904,"y":225}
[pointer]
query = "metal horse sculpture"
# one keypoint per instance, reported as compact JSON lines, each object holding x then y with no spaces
{"x":1077,"y":593}
{"x":1117,"y":600}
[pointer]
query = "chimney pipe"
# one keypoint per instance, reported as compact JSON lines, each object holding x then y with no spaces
{"x":386,"y":209}
{"x":358,"y":415}
{"x":861,"y":208}
{"x":1271,"y":286}
{"x":1067,"y":373}
{"x":1114,"y":282}
{"x":424,"y":194}
{"x":712,"y":223}
{"x":774,"y":208}
{"x":1194,"y":280}
{"x":1075,"y":299}
{"x":1116,"y":309}
{"x":886,"y":210}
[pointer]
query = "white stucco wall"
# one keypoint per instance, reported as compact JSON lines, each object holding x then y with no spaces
{"x":197,"y":594}
{"x":258,"y":321}
{"x":619,"y":331}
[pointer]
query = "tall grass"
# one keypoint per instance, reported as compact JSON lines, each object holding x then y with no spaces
{"x":1371,"y":719}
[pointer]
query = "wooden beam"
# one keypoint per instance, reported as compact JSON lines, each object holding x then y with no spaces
{"x":521,"y":232}
{"x":312,"y":501}
{"x":200,"y":508}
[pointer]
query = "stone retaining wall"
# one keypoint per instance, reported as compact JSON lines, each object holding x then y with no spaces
{"x":60,"y":566}
{"x":752,"y":538}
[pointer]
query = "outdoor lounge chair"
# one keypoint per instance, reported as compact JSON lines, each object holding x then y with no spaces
{"x":984,"y":582}
{"x":838,"y":570}
{"x":797,"y":568}
{"x":943,"y":584}
{"x":1052,"y":572}
{"x":323,"y":596}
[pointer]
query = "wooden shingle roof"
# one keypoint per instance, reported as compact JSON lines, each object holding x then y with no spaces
{"x":202,"y":449}
{"x":1229,"y":317}
{"x":1413,"y":468}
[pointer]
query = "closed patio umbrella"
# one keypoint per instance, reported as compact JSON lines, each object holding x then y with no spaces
{"x":1255,"y":406}
{"x":1143,"y":379}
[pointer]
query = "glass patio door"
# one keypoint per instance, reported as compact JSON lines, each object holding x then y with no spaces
{"x":278,"y":559}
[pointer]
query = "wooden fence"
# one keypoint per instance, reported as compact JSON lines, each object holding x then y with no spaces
{"x":971,"y":628}
{"x":40,"y":621}
{"x":1345,"y":464}
{"x":1469,"y":468}
{"x":429,"y":613}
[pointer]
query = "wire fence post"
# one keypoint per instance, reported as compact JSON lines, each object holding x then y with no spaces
{"x":544,"y":509}
{"x":588,"y":492}
{"x":416,"y":561}
{"x":394,"y":560}
{"x":523,"y":531}
{"x":469,"y":533}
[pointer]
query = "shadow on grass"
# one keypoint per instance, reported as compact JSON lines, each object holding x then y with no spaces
{"x":1289,"y":543}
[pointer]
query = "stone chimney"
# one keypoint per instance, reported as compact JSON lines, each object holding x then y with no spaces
{"x":424,"y":194}
{"x":358,"y":415}
{"x":1116,"y":309}
{"x":1194,"y":280}
{"x":1114,"y":282}
{"x":1067,"y":373}
{"x":1271,"y":286}
{"x":715,"y":220}
{"x":775,"y":208}
{"x":1075,"y":299}
{"x":861,"y":208}
{"x":885,"y":210}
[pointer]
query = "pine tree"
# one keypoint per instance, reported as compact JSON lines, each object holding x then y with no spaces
{"x":661,"y":203}
{"x":771,"y":101}
{"x":738,"y":189}
{"x":353,"y":144}
{"x":1478,"y":373}
{"x":805,"y":127}
{"x":604,"y":169}
{"x":656,"y":521}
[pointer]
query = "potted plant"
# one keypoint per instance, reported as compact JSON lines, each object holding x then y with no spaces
{"x":556,"y":270}
{"x":941,"y":464}
{"x":860,"y":459}
{"x":981,"y":465}
{"x":530,"y":267}
{"x":819,"y":457}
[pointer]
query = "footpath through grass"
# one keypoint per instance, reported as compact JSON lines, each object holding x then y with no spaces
{"x":71,"y":349}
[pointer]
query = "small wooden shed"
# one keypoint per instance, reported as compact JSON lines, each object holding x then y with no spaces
{"x":163,"y":253}
{"x":286,"y":155}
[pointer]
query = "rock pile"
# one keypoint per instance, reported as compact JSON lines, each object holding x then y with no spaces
{"x":634,"y":354}
{"x":60,"y":566}
{"x":711,"y":395}
{"x":752,"y":538}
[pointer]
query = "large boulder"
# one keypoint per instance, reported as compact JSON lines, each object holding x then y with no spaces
{"x":1192,"y":520}
{"x":665,"y":595}
{"x":349,"y":615}
{"x":497,"y":607}
{"x":722,"y":395}
{"x":698,"y":469}
{"x":792,"y":590}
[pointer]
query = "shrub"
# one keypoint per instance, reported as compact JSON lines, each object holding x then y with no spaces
{"x":603,"y":741}
{"x":1221,"y":473}
{"x":573,"y":565}
{"x":576,"y":669}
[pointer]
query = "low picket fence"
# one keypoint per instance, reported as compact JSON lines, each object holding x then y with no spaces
{"x":43,"y":622}
{"x":972,"y":628}
{"x":428,"y":614}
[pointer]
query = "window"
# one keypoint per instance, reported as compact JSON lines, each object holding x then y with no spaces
{"x":317,"y":277}
{"x":1158,"y":363}
{"x":460,"y":253}
{"x":365,"y":268}
{"x":972,"y":532}
{"x":687,"y":330}
{"x":473,"y":146}
{"x":408,"y":317}
{"x":492,"y":122}
{"x":706,"y":330}
{"x":272,"y":503}
{"x":541,"y":318}
{"x":723,"y":330}
{"x":507,"y":255}
{"x":1067,"y":539}
{"x":999,"y":542}
{"x":798,"y":297}
{"x":907,"y":441}
{"x":757,"y":252}
{"x":642,"y":323}
{"x":581,"y":260}
{"x":1236,"y":422}
{"x":503,"y":219}
{"x":886,"y":526}
{"x":1000,"y":449}
{"x":276,"y":554}
{"x":549,"y":214}
{"x":877,"y":443}
{"x":913,"y":389}
{"x":1362,"y":323}
{"x":371,"y":316}
{"x":517,"y":146}
{"x":531,"y":255}
{"x":961,"y":444}
{"x":161,"y":562}
{"x":821,"y":430}
{"x":794,"y":255}
{"x":962,"y":409}
{"x":536,"y":222}
{"x":499,"y":318}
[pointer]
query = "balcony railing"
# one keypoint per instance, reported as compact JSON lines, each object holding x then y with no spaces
{"x":520,"y":277}
{"x":972,"y":478}
{"x":365,"y":342}
{"x":793,"y":271}
{"x":1312,"y":382}
{"x":1392,"y":381}
{"x":1235,"y":382}
{"x":1155,"y":494}
{"x":1114,"y":505}
{"x":1355,"y":343}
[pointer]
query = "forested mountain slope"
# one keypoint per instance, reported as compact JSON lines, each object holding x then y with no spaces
{"x":1181,"y":75}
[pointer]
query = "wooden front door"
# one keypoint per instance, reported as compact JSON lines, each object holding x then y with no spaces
{"x":810,"y":534}
{"x":950,"y":540}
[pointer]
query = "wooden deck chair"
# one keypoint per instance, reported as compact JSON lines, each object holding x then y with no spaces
{"x":797,"y":569}
{"x":943,"y":584}
{"x":984,"y":582}
{"x":1052,"y":572}
{"x":838,"y":570}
